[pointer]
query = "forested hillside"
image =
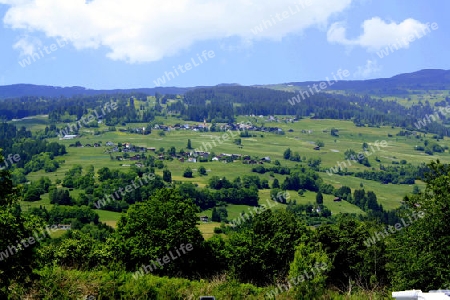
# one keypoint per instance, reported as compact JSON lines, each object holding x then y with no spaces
{"x":221,"y":104}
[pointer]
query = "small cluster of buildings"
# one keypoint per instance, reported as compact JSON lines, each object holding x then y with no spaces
{"x":203,"y":127}
{"x":127,"y":148}
{"x":197,"y":156}
{"x":272,"y":118}
{"x":178,"y":126}
{"x":135,"y":157}
{"x":232,"y":126}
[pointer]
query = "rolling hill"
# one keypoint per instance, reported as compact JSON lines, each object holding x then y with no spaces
{"x":427,"y":79}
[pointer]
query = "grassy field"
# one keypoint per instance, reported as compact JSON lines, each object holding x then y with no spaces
{"x":34,"y":123}
{"x":264,"y":144}
{"x":108,"y":217}
{"x":207,"y":229}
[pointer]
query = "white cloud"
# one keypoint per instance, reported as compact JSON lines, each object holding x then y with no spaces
{"x":378,"y":34}
{"x":148,"y":30}
{"x":27,"y":45}
{"x":369,"y":69}
{"x":243,"y":44}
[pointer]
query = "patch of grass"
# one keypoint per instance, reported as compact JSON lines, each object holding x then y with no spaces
{"x":335,"y":207}
{"x":44,"y":202}
{"x":207,"y":229}
{"x":57,"y":234}
{"x":388,"y":195}
{"x":108,"y":217}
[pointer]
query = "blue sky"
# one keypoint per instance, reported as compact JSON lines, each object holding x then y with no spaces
{"x":105,"y":44}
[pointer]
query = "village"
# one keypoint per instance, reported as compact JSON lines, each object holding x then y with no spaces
{"x":127,"y":151}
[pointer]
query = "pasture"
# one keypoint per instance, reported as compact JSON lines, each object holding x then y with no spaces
{"x":300,"y":137}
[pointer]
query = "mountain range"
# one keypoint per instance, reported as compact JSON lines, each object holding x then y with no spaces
{"x":427,"y":79}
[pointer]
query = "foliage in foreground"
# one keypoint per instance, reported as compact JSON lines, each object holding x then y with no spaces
{"x":269,"y":249}
{"x":57,"y":283}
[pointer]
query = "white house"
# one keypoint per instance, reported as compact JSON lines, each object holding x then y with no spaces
{"x":69,"y":136}
{"x":417,"y":294}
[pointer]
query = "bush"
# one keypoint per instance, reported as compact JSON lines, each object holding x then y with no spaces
{"x":202,"y":170}
{"x":188,"y":173}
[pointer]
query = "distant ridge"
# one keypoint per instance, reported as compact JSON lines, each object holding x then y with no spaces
{"x":20,"y":90}
{"x":428,"y":75}
{"x":432,"y":79}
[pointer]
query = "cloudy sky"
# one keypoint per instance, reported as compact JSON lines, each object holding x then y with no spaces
{"x":146,"y":43}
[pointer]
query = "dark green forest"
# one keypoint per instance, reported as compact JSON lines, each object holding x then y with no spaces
{"x":223,"y":103}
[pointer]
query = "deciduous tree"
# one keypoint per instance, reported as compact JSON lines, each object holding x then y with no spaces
{"x":152,"y":228}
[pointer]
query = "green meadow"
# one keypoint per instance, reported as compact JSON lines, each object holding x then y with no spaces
{"x":261,"y":145}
